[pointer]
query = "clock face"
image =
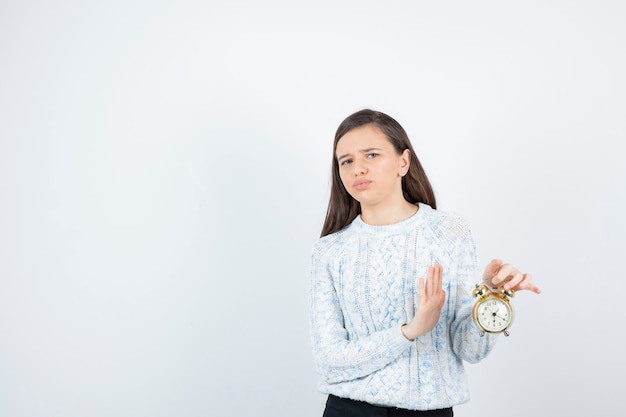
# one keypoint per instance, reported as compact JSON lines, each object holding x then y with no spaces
{"x":494,"y":315}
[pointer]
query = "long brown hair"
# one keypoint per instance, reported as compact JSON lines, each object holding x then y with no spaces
{"x":416,"y":188}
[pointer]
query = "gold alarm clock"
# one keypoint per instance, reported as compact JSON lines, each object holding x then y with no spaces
{"x":493,"y":312}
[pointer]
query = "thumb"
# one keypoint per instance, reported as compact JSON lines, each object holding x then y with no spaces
{"x":494,"y":266}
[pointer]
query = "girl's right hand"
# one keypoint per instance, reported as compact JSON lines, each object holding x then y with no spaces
{"x":430,"y":302}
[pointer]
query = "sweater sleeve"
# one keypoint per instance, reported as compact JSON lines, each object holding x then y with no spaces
{"x":337,"y":357}
{"x":465,"y":334}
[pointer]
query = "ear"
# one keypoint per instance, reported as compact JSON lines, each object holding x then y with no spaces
{"x":405,"y":162}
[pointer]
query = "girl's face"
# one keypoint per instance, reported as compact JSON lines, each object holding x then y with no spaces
{"x":370,"y":168}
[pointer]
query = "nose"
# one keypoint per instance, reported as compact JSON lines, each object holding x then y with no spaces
{"x":359,"y":169}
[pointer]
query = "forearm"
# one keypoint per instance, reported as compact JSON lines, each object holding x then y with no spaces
{"x":339,"y":359}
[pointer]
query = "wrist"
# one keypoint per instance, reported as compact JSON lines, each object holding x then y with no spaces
{"x":406,"y":334}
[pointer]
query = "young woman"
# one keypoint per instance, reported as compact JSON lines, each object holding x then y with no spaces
{"x":386,"y":341}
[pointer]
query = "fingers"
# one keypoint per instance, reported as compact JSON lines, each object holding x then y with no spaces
{"x":430,"y":302}
{"x":491,"y":270}
{"x":440,"y":296}
{"x":510,"y":278}
{"x":434,"y":280}
{"x":429,"y":281}
{"x":442,"y":300}
{"x":526,"y":284}
{"x":494,"y":266}
{"x":504,"y":274}
{"x":438,"y":275}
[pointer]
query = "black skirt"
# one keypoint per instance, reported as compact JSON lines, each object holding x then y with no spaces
{"x":343,"y":407}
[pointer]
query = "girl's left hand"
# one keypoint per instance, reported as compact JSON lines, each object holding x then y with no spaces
{"x":500,"y":275}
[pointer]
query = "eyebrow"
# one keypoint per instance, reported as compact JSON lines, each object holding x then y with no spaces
{"x":339,"y":158}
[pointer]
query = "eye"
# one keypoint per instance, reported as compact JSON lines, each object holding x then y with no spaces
{"x":345,"y":162}
{"x":372,"y":155}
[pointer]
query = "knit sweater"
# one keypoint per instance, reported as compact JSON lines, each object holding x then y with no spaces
{"x":365,"y":286}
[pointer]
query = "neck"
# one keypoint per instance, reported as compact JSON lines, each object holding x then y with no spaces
{"x":389,"y":214}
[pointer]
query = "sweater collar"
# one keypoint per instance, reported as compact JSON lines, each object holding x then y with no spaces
{"x":403,"y":226}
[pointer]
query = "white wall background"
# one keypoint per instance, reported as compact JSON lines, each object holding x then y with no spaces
{"x":164,"y":171}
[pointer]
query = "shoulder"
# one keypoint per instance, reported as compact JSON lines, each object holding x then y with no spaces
{"x":328,"y":246}
{"x":447,"y":225}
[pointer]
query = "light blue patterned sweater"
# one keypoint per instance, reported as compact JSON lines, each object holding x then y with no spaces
{"x":364,"y":286}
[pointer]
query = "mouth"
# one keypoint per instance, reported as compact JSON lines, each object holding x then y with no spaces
{"x":361,"y":184}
